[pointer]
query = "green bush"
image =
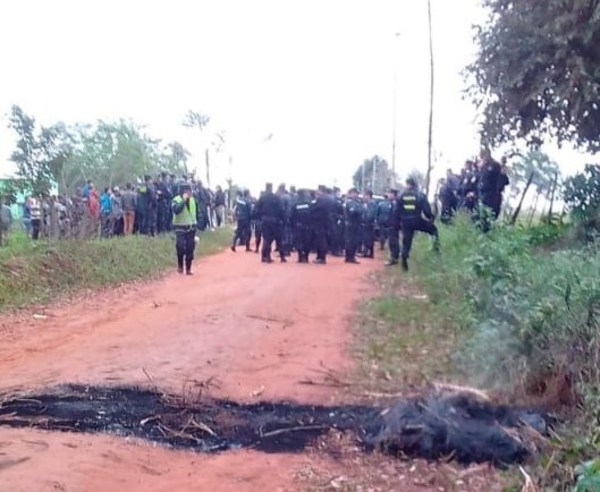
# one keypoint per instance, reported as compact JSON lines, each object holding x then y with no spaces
{"x":520,"y":312}
{"x":38,"y":271}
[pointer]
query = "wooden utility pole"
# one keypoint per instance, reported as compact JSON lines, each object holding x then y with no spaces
{"x":431,"y":80}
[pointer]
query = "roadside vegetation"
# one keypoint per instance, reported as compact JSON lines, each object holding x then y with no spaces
{"x":37,"y":272}
{"x":515,"y":312}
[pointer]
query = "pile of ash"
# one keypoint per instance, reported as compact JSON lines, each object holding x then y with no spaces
{"x":456,"y":425}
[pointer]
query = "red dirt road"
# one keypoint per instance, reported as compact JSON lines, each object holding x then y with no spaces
{"x":258,"y":329}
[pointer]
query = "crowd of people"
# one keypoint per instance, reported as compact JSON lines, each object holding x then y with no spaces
{"x":480,"y":182}
{"x":322,"y":221}
{"x":144,"y":208}
{"x":326,"y":222}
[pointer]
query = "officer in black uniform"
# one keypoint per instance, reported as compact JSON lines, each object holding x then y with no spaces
{"x":147,"y":204}
{"x":243,"y":216}
{"x":393,"y":228}
{"x":164,"y":197}
{"x":414,"y":213}
{"x":270,"y":210}
{"x":256,"y":226}
{"x":368,"y":225}
{"x":321,"y":211}
{"x":301,"y":225}
{"x":383,"y":221}
{"x":353,"y":215}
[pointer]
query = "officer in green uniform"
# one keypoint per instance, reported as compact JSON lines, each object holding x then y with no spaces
{"x":185,"y":222}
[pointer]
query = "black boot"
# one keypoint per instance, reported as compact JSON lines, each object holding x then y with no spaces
{"x":179,"y":263}
{"x":405,"y":264}
{"x":188,"y":266}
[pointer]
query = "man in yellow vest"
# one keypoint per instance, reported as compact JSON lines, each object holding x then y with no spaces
{"x":185,"y":220}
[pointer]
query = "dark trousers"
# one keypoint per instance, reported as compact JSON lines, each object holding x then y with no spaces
{"x":35,"y":228}
{"x":302,"y":241}
{"x":242,"y":234}
{"x":319,"y":241}
{"x":257,"y":235}
{"x":352,"y":240}
{"x":383,"y":236}
{"x":185,"y":246}
{"x":393,"y":235}
{"x":271,"y":232}
{"x":368,"y":237}
{"x":408,"y":233}
{"x":162,"y":219}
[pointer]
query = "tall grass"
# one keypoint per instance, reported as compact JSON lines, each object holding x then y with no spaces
{"x":37,"y":271}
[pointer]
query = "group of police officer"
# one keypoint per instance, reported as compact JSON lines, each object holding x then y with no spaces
{"x":154,"y":212}
{"x":326,"y":222}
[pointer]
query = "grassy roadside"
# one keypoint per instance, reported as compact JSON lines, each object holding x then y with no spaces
{"x":516,"y":311}
{"x":37,"y":272}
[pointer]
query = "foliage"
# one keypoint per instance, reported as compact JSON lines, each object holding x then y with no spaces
{"x":38,"y":271}
{"x":582,"y":193}
{"x":537,"y":71}
{"x":588,"y":474}
{"x":108,"y":153}
{"x":525,"y":316}
{"x":114,"y":153}
{"x":41,"y":152}
{"x":373,"y":174}
{"x":543,"y":168}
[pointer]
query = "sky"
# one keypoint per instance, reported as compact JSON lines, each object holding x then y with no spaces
{"x":317,"y":76}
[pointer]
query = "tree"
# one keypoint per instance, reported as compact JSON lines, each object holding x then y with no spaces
{"x":373,"y":174}
{"x":199,"y":121}
{"x":582,"y":194}
{"x":176,"y":157}
{"x":536,"y":72}
{"x":536,"y":169}
{"x":114,"y":153}
{"x":41,"y":152}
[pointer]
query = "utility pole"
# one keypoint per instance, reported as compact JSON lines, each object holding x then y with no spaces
{"x":430,"y":136}
{"x":394,"y":122}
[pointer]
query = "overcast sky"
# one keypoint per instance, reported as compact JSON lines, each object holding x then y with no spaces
{"x":316,"y":74}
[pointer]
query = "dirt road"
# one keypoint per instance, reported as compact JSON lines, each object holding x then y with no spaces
{"x":259,"y":330}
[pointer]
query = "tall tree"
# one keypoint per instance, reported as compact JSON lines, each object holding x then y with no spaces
{"x":41,"y":152}
{"x":373,"y":174}
{"x":199,"y":121}
{"x":536,"y":73}
{"x":176,"y":157}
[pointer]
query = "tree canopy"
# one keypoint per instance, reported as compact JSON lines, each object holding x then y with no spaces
{"x":537,"y":72}
{"x":109,"y":153}
{"x":373,"y":174}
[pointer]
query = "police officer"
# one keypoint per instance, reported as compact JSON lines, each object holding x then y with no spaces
{"x":414,"y":213}
{"x":321,"y":211}
{"x":353,"y":214}
{"x":368,"y":225}
{"x":448,"y":200}
{"x":257,"y":227}
{"x":185,"y":222}
{"x":270,"y":211}
{"x":164,"y":198}
{"x":383,"y":220}
{"x":286,"y":230}
{"x":147,"y":206}
{"x":393,"y":228}
{"x":243,"y":216}
{"x":301,"y":223}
